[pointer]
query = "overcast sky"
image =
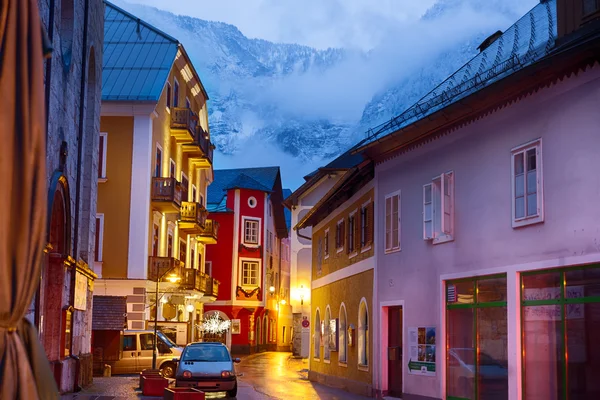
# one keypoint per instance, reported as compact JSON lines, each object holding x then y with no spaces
{"x":317,"y":23}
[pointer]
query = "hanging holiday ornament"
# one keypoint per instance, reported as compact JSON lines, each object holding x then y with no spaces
{"x":214,"y":324}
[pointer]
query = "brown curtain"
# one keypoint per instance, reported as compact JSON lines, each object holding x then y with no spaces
{"x":24,"y":368}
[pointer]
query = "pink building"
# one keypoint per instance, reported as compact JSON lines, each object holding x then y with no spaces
{"x":488,"y":225}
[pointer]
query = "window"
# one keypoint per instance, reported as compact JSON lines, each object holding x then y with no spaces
{"x":102,"y":147}
{"x":476,"y":332}
{"x":269,"y":241}
{"x":339,"y":235}
{"x":158,"y":162}
{"x":99,"y":237}
{"x":317,"y":337}
{"x":184,"y":182}
{"x":208,"y":268}
{"x":129,"y":343}
{"x":175,"y":93}
{"x":392,"y":222}
{"x":363,"y":334}
{"x":326,"y":349}
{"x":270,"y":211}
{"x":343,"y":345}
{"x":590,"y":6}
{"x":351,"y":235}
{"x":155,"y":239}
{"x":438,"y":209}
{"x":146,"y":341}
{"x":194,"y":193}
{"x":187,"y":103}
{"x":251,"y":229}
{"x":527,"y":184}
{"x":170,"y":244}
{"x":182,"y":250}
{"x":319,"y":256}
{"x":201,"y":200}
{"x":249,"y":273}
{"x":168,"y":96}
{"x":252,"y":202}
{"x":173,"y":168}
{"x":192,"y":257}
{"x":326,"y":241}
{"x":366,"y":225}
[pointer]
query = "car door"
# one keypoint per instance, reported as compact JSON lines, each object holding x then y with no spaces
{"x":128,"y":362}
{"x":144,"y":360}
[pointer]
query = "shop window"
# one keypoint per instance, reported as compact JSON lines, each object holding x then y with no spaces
{"x":477,"y":337}
{"x":438,"y":209}
{"x":560,"y":325}
{"x":67,"y":331}
{"x":317,"y":336}
{"x":527,"y":196}
{"x":363,"y":334}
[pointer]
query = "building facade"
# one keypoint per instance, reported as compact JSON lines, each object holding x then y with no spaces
{"x":62,"y":307}
{"x":491,"y":287}
{"x":342,"y":282}
{"x":156,"y":162}
{"x":248,"y":260}
{"x":300,"y":203}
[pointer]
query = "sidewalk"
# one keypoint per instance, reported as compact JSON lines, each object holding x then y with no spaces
{"x":116,"y":387}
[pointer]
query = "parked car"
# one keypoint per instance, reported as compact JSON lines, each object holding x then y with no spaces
{"x":136,"y":353}
{"x":207,"y":366}
{"x":493,"y":374}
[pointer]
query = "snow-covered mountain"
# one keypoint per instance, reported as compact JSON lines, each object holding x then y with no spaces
{"x":313,"y":104}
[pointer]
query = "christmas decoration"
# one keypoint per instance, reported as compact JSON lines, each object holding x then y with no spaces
{"x":214,"y":324}
{"x":248,"y":293}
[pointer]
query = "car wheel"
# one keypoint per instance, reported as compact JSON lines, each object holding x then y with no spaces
{"x":168,"y":370}
{"x":232,"y":392}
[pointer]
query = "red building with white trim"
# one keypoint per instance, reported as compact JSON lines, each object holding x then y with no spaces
{"x":247,"y":259}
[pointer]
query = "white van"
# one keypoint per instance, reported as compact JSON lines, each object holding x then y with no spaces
{"x":136,"y":354}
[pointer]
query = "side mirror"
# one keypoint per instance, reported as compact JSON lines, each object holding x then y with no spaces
{"x":237,"y":360}
{"x":176,"y":359}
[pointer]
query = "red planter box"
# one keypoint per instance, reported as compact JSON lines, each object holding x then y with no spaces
{"x":149,"y":373}
{"x":154,"y":385}
{"x":183,"y":393}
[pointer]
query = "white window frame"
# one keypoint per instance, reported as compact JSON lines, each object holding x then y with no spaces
{"x":257,"y":261}
{"x":355,"y":249}
{"x":100,"y":217}
{"x":343,"y":239}
{"x":522,"y":149}
{"x":103,"y":161}
{"x":258,"y":230}
{"x":442,"y":231}
{"x":394,"y":247}
{"x":326,"y":246}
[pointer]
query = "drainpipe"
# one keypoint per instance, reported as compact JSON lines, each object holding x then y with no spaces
{"x":82,"y":96}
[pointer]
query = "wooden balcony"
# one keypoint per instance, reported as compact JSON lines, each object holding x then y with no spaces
{"x":194,"y":279}
{"x":166,"y":194}
{"x":200,"y":151}
{"x":212,"y":288}
{"x":159,"y":266}
{"x":192,"y":217}
{"x":209,"y":234}
{"x":183,"y":124}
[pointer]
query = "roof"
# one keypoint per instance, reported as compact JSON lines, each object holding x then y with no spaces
{"x":137,"y":57}
{"x":109,"y":313}
{"x":531,"y":38}
{"x":286,"y":211}
{"x":262,"y":178}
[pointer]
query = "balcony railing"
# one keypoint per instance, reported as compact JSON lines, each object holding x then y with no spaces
{"x":158,"y":266}
{"x":210,"y":232}
{"x":166,"y":190}
{"x":212,"y":287}
{"x":183,"y":124}
{"x":201,"y":281}
{"x":193,"y":212}
{"x":201,"y":149}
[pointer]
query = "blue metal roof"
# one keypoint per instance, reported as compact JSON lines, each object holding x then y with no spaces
{"x":137,"y":57}
{"x":528,"y":40}
{"x":262,"y":178}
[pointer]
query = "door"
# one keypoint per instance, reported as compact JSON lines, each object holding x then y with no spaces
{"x":128,"y":362}
{"x":395,"y":351}
{"x":144,"y":360}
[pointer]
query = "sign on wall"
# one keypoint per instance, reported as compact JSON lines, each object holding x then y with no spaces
{"x":80,"y":302}
{"x":421,"y":347}
{"x":235,"y":326}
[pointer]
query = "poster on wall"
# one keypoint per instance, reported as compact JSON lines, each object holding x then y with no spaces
{"x":421,"y":348}
{"x":81,"y":281}
{"x":235,"y":326}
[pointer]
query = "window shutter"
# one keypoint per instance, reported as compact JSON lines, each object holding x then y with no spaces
{"x":342,"y":233}
{"x":388,"y":223}
{"x":447,"y":203}
{"x":101,"y":156}
{"x":427,"y":211}
{"x":369,"y":230}
{"x":98,"y":239}
{"x":357,"y":229}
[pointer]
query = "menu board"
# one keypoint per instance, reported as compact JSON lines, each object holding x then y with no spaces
{"x":421,"y":347}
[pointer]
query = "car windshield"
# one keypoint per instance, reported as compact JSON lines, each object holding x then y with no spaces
{"x":166,"y":339}
{"x":206,"y":353}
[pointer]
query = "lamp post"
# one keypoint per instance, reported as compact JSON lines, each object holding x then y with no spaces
{"x":172,"y":278}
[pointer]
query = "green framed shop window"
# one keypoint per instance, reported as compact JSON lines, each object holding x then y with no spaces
{"x":560,"y":322}
{"x":476,"y":336}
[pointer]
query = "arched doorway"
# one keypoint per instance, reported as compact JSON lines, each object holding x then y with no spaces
{"x":222,"y":337}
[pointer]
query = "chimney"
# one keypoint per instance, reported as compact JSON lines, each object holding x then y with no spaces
{"x":574,"y":14}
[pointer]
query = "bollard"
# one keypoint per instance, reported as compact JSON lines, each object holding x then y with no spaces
{"x":107,"y":369}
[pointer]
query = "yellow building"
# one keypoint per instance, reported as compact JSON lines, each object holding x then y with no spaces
{"x":342,"y":282}
{"x":156,"y":161}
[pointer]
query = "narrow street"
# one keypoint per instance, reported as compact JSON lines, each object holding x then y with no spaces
{"x":268,"y":375}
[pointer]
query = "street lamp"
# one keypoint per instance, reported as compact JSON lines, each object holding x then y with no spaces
{"x":301,"y":295}
{"x":171,"y":278}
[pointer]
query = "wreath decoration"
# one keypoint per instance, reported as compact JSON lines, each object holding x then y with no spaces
{"x":249,"y":293}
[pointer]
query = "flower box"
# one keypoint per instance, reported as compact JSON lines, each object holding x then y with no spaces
{"x":183,"y":393}
{"x":154,"y":385}
{"x":148,"y":373}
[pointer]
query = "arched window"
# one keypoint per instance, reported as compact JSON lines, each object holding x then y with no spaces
{"x":326,"y":350}
{"x":343,"y":335}
{"x":363,"y":334}
{"x":317,"y":335}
